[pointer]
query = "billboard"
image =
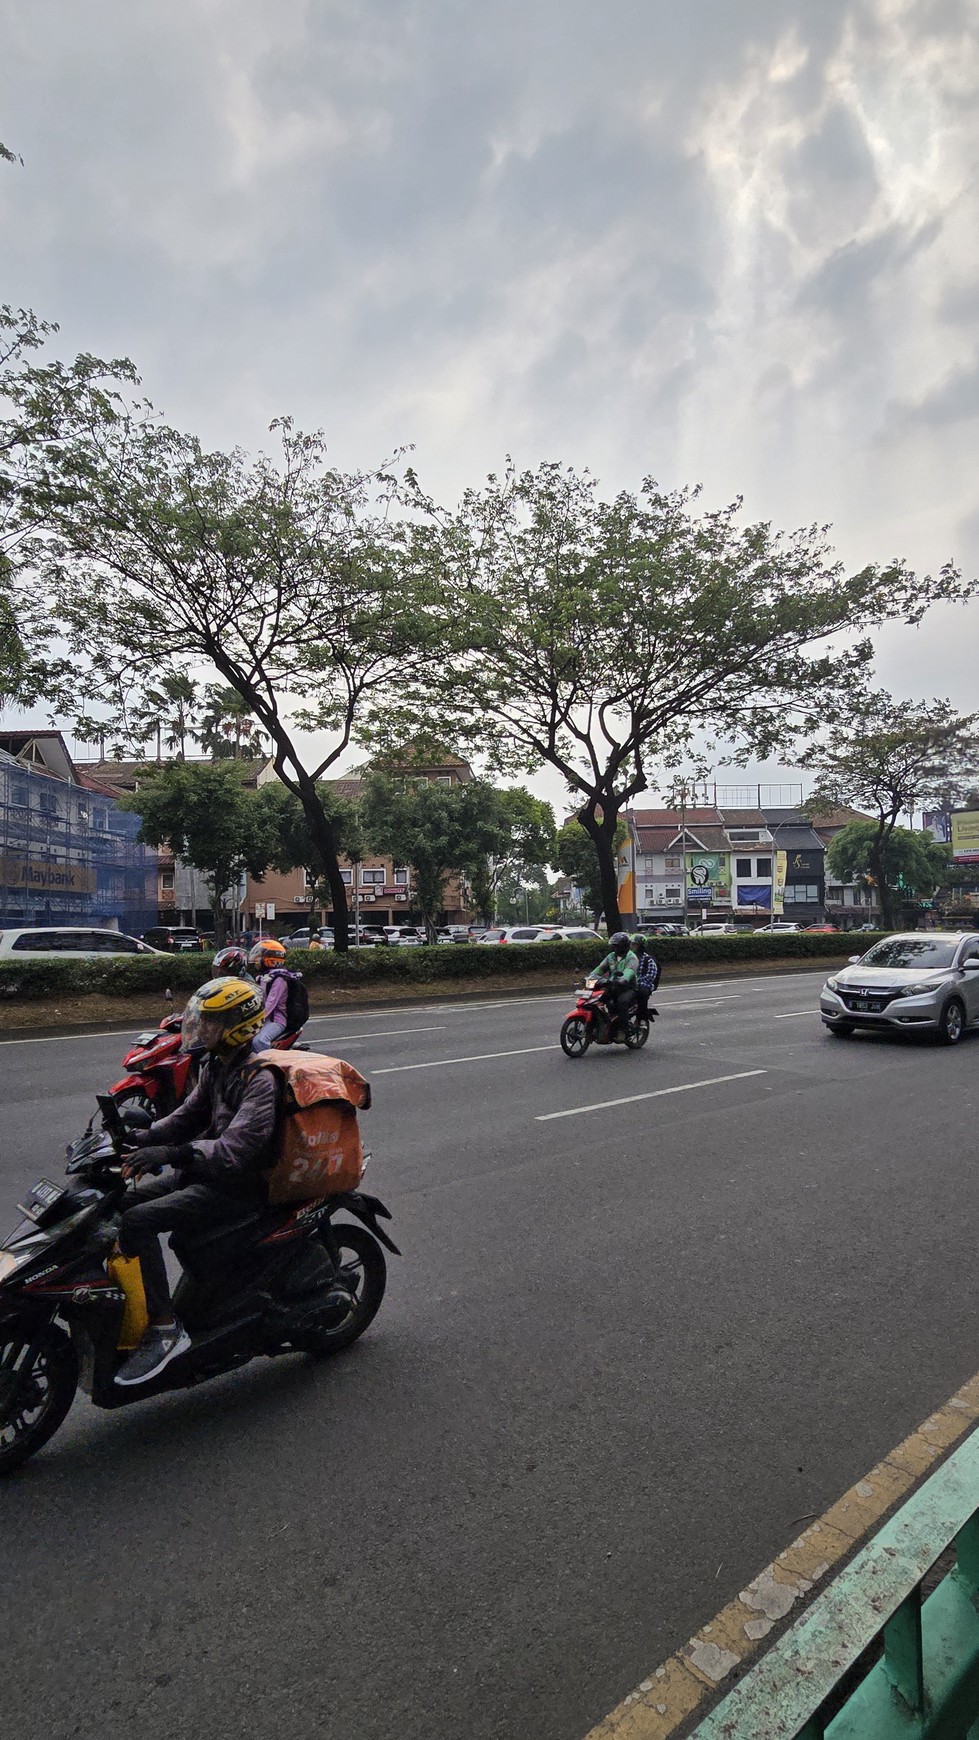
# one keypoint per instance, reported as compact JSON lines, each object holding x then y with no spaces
{"x":709,"y":870}
{"x":965,"y":836}
{"x":781,"y":866}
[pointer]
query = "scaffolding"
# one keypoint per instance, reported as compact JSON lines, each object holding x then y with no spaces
{"x":69,"y":855}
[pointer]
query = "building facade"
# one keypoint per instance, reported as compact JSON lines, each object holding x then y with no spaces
{"x":68,"y":854}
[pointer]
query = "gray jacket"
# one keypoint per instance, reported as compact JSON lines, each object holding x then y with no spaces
{"x":227,"y":1123}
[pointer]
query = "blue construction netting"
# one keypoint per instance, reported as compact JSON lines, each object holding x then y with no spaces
{"x":70,"y":856}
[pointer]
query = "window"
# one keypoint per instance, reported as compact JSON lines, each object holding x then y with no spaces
{"x":803,"y":891}
{"x":48,"y":801}
{"x":764,"y":866}
{"x":167,"y":881}
{"x":835,"y":893}
{"x":672,"y":862}
{"x":347,"y":876}
{"x":401,"y":878}
{"x":674,"y":894}
{"x":20,"y":793}
{"x":742,"y":867}
{"x":372,"y":878}
{"x":743,"y":836}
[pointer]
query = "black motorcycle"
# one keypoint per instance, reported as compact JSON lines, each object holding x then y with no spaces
{"x":258,"y":1288}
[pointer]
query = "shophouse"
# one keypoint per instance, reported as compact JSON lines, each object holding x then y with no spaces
{"x":68,"y":854}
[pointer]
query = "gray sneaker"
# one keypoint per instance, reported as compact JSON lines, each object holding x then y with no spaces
{"x":158,"y":1347}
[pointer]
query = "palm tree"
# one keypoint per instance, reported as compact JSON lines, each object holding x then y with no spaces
{"x":227,"y":727}
{"x":166,"y":712}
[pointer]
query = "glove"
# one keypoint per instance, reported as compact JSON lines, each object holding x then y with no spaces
{"x":154,"y":1158}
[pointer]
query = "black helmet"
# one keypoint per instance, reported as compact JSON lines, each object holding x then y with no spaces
{"x":619,"y":943}
{"x":231,"y":962}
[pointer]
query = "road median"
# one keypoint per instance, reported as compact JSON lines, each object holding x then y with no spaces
{"x":67,"y":996}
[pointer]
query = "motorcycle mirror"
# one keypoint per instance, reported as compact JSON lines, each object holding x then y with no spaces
{"x":168,"y":995}
{"x":135,"y":1117}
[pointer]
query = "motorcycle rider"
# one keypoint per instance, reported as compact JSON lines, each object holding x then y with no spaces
{"x":620,"y":970}
{"x":267,"y":961}
{"x":215,"y":1142}
{"x":231,"y":963}
{"x":648,"y":976}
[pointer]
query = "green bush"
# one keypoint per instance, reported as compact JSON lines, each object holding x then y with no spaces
{"x":141,"y":975}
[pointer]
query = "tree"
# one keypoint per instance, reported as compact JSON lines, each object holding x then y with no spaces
{"x":892,"y":757}
{"x":525,"y":843}
{"x":436,"y":829}
{"x":226,"y":726}
{"x":294,"y":582}
{"x":203,"y":812}
{"x":577,"y":856}
{"x":596,"y":636}
{"x":167,"y":712}
{"x":295,"y":846}
{"x":912,"y":863}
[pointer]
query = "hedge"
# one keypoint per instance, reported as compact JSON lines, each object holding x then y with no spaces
{"x":136,"y":975}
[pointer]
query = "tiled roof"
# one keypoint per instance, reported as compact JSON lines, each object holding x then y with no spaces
{"x":744,"y":819}
{"x":671,"y":818}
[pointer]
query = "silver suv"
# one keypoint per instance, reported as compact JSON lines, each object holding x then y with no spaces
{"x":926,"y":981}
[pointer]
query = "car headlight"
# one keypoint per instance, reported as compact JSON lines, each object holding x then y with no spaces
{"x":831,"y":985}
{"x":917,"y":990}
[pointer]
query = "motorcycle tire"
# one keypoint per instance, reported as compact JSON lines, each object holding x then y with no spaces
{"x":140,"y":1102}
{"x":576,"y":1036}
{"x":363,"y":1271}
{"x":38,"y":1416}
{"x":637,"y":1033}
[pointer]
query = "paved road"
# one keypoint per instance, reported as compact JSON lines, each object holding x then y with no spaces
{"x":626,"y":1351}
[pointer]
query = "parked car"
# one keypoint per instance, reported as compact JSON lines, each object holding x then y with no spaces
{"x":573,"y":933}
{"x":778,"y":925}
{"x":454,"y":933}
{"x":175,"y":939}
{"x":517,"y":933}
{"x":55,"y":942}
{"x":661,"y":929}
{"x":918,"y":981}
{"x":824,"y":929}
{"x":715,"y":930}
{"x":300,"y":939}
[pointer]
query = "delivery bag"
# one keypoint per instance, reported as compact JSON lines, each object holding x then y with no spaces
{"x":317,"y":1147}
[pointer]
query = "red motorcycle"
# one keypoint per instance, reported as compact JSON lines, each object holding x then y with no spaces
{"x":591,"y":1022}
{"x":159,"y":1075}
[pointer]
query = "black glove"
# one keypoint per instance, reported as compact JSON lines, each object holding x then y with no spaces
{"x":153,"y":1158}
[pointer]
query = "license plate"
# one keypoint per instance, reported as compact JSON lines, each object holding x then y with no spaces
{"x":41,"y":1196}
{"x":870,"y":1004}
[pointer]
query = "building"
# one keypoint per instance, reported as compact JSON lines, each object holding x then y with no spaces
{"x":68,"y":854}
{"x":734,"y":864}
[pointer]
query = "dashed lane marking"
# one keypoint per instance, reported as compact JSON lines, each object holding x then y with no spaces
{"x":793,"y":1014}
{"x":382,"y":1033}
{"x":480,"y":1057}
{"x":658,"y":1094}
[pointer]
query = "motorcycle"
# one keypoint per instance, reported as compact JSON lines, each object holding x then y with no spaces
{"x":159,"y":1075}
{"x":590,"y":1022}
{"x":71,"y":1308}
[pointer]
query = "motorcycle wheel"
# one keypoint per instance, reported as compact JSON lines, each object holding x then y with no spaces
{"x":363,"y":1271}
{"x":576,"y":1036}
{"x":637,"y":1032}
{"x":139,"y":1101}
{"x":34,"y":1417}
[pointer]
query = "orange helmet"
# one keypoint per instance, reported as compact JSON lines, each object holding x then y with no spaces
{"x":266,"y":954}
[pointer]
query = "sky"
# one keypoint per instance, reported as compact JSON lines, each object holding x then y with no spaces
{"x":727,"y":244}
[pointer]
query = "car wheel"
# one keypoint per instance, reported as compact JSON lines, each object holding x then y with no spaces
{"x":951,"y":1024}
{"x":841,"y":1030}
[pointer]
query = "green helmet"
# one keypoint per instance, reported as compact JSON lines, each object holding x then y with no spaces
{"x":638,"y":942}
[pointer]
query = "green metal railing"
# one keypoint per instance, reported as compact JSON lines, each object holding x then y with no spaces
{"x":926,"y":1682}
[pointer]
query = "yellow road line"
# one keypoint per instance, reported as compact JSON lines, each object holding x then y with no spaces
{"x":690,"y":1681}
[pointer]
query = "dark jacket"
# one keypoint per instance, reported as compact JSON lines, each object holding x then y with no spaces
{"x":227,"y":1124}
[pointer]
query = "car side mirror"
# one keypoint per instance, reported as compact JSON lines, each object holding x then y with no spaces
{"x":971,"y":965}
{"x":855,"y":959}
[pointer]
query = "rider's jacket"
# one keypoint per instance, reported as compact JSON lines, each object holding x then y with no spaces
{"x":624,"y":968}
{"x":230,"y":1120}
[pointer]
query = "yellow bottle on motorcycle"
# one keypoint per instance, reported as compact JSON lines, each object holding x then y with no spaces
{"x":127,"y":1274}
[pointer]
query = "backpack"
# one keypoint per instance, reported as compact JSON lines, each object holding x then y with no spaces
{"x":317,"y":1150}
{"x":297,"y":998}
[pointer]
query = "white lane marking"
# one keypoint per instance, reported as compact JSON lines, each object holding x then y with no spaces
{"x":383,"y":1033}
{"x":658,"y":1094}
{"x":700,"y":1003}
{"x":480,"y":1057}
{"x":63,"y":1038}
{"x":794,"y":1014}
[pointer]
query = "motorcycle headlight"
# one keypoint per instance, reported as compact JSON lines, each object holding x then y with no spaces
{"x":9,"y":1262}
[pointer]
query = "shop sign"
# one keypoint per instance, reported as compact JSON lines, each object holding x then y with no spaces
{"x":45,"y":878}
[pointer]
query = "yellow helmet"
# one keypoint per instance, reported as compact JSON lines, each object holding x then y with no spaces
{"x":221,"y":1017}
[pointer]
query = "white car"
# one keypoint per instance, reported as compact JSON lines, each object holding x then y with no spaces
{"x":52,"y":942}
{"x":767,"y":929}
{"x":574,"y":933}
{"x":922,"y":980}
{"x":517,"y":933}
{"x":715,"y":930}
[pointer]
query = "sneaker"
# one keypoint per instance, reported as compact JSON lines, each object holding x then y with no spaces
{"x":158,"y":1347}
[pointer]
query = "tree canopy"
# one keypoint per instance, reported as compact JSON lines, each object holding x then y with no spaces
{"x":436,"y":829}
{"x":600,"y":636}
{"x":891,"y":758}
{"x":914,"y":865}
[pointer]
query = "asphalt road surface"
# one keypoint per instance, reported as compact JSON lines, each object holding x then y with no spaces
{"x":625,"y":1352}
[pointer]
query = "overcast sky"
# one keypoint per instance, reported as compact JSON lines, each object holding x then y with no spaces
{"x":718,"y":242}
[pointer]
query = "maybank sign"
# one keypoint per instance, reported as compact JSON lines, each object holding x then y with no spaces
{"x":965,"y":836}
{"x":46,"y":878}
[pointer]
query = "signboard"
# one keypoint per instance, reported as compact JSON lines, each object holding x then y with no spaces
{"x":937,"y":824}
{"x":965,"y":836}
{"x":36,"y":877}
{"x":709,"y":870}
{"x":781,"y":864}
{"x":698,"y":892}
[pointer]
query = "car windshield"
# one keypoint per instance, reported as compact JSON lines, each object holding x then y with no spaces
{"x":918,"y":952}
